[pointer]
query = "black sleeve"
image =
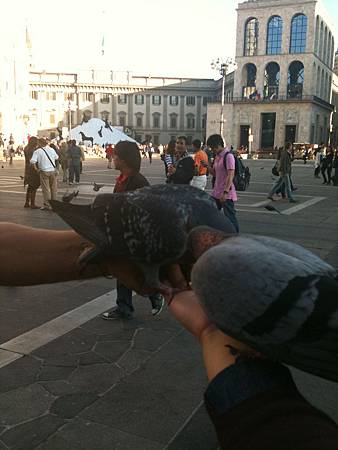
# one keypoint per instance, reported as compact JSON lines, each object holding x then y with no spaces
{"x":255,"y":405}
{"x":184,"y":172}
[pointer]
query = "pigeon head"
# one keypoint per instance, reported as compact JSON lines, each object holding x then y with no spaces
{"x":271,"y":295}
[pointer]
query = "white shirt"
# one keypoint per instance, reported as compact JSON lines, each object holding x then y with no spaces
{"x":40,"y":157}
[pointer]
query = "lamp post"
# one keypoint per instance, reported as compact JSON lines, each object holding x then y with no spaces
{"x":222,"y":69}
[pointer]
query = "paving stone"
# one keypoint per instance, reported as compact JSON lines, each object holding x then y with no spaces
{"x":62,"y":361}
{"x":24,"y":404}
{"x":70,"y":405}
{"x":112,"y":350}
{"x":55,"y":373}
{"x":103,"y":327}
{"x":59,"y":388}
{"x":91,"y":358}
{"x":21,"y":372}
{"x":74,"y":342}
{"x":3,"y":446}
{"x":198,"y":434}
{"x":132,"y":359}
{"x":118,"y":334}
{"x":145,"y":410}
{"x":96,"y":378}
{"x":151,"y":340}
{"x":84,"y":435}
{"x":28,"y":435}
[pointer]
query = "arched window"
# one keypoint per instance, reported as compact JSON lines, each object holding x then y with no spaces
{"x":317,"y":36}
{"x":190,"y":121}
{"x":322,"y":84}
{"x":318,"y":82}
{"x":295,"y":79}
{"x":298,"y":34}
{"x":321,"y":39}
{"x":325,"y":45}
{"x":326,"y":83}
{"x":274,"y":36}
{"x":329,"y":89}
{"x":249,"y":79}
{"x":271,"y":80}
{"x":328,"y":49}
{"x":251,"y":37}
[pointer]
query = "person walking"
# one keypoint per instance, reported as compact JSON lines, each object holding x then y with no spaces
{"x":326,"y":166}
{"x":109,"y":155}
{"x":223,"y":169}
{"x":150,"y":151}
{"x":182,"y":171}
{"x":284,"y":169}
{"x":318,"y":159}
{"x":201,"y":166}
{"x":44,"y":161}
{"x":127,"y":160}
{"x":31,"y":176}
{"x":63,"y":160}
{"x":169,"y":156}
{"x":74,"y":162}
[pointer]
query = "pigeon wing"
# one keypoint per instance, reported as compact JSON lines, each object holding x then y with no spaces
{"x":82,"y":220}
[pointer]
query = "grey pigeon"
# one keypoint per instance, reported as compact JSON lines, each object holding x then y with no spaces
{"x":272,"y":208}
{"x":67,"y":198}
{"x":273,"y":295}
{"x":97,"y":187}
{"x":149,"y":225}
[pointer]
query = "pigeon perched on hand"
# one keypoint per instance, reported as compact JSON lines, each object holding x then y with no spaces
{"x":67,"y":198}
{"x":97,"y":187}
{"x":149,"y":225}
{"x":273,"y":295}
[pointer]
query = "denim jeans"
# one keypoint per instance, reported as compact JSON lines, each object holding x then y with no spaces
{"x":74,"y":169}
{"x":283,"y":179}
{"x":230,"y":212}
{"x":125,"y":299}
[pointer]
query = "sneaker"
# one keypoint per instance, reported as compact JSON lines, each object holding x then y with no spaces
{"x":45,"y":208}
{"x":157,"y":305}
{"x":116,"y":313}
{"x":292,"y":200}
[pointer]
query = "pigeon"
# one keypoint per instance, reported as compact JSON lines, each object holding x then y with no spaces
{"x":149,"y":226}
{"x":97,"y":187}
{"x":67,"y":198}
{"x":273,"y":295}
{"x":272,"y":208}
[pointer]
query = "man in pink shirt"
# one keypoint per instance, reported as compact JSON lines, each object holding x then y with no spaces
{"x":223,"y":169}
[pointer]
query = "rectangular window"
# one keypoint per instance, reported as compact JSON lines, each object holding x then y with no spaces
{"x":122,"y":121}
{"x":290,"y":133}
{"x":51,"y":96}
{"x":156,"y":122}
{"x":122,"y":99}
{"x":244,"y":136}
{"x":105,"y":98}
{"x":68,"y":96}
{"x":206,"y":100}
{"x":139,"y":121}
{"x":204,"y":123}
{"x":173,"y":100}
{"x":139,"y":99}
{"x":87,"y":96}
{"x":52,"y":119}
{"x":156,"y":100}
{"x":173,"y":138}
{"x":190,"y":122}
{"x":34,"y":95}
{"x":173,"y":121}
{"x":190,"y":101}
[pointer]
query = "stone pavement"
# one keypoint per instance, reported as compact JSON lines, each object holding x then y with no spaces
{"x":134,"y":384}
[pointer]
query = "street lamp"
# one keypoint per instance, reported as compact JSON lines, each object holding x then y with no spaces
{"x":222,"y":69}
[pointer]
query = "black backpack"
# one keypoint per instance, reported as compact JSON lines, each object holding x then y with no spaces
{"x":242,"y":173}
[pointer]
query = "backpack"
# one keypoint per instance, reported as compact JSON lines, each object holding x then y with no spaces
{"x":242,"y":173}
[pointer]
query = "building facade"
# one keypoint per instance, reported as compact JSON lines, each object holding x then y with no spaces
{"x":154,"y":109}
{"x":283,"y":82}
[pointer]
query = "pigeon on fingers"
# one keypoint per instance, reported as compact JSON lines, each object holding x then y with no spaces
{"x":273,"y":295}
{"x":149,"y":225}
{"x":97,"y":187}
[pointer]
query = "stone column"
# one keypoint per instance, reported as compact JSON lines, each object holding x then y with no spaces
{"x":198,"y":113}
{"x":147,"y":111}
{"x":114,"y":109}
{"x":165,"y":113}
{"x":96,"y":99}
{"x":130,"y":118}
{"x":181,"y":124}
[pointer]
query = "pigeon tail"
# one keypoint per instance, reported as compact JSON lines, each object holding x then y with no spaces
{"x":80,"y":218}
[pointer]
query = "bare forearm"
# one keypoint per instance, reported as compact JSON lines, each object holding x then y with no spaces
{"x":229,"y":180}
{"x":33,"y":256}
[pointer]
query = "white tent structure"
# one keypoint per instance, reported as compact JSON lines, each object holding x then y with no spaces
{"x":98,"y":132}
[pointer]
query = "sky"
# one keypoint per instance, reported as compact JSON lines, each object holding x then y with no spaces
{"x":152,"y":37}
